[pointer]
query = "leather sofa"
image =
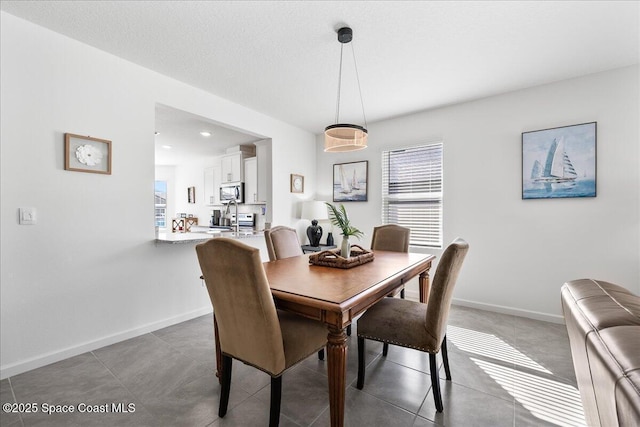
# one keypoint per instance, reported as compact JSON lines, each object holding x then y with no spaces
{"x":603,"y":322}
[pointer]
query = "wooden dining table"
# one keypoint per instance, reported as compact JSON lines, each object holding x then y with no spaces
{"x":336,"y":296}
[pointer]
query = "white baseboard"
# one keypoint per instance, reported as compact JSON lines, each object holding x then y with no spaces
{"x":546,"y":317}
{"x":10,"y":370}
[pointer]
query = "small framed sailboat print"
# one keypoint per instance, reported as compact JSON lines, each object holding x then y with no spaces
{"x":350,"y":181}
{"x":559,"y":162}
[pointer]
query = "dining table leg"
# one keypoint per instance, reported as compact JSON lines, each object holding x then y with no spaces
{"x":337,"y":373}
{"x":424,"y":285}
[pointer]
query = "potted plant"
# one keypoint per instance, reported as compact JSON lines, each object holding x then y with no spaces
{"x":339,"y":218}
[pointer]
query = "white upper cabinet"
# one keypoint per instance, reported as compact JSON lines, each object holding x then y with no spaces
{"x":232,"y":167}
{"x":212,"y":179}
{"x":251,"y":180}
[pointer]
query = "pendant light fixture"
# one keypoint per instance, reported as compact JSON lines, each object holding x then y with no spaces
{"x":342,"y":136}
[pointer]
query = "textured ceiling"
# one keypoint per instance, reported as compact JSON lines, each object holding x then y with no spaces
{"x":281,"y":57}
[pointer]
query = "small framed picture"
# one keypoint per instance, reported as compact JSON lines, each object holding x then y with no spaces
{"x":297,"y":183}
{"x":87,"y":154}
{"x":191,"y":195}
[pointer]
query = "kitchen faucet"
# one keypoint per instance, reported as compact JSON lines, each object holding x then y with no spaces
{"x":226,"y":213}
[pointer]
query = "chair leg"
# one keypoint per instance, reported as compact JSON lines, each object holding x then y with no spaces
{"x":227,"y":362}
{"x":276,"y":394}
{"x":402,"y":293}
{"x":445,"y":358}
{"x":385,"y":348}
{"x":435,"y":382}
{"x":360,"y":383}
{"x":321,"y":354}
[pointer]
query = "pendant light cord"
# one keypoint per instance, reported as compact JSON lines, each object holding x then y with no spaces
{"x":339,"y":85}
{"x":358,"y":80}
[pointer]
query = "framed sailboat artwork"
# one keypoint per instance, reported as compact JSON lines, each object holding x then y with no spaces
{"x":350,"y":181}
{"x":559,"y":162}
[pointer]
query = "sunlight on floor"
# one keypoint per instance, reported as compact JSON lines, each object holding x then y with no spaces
{"x":491,"y":346}
{"x":545,"y":398}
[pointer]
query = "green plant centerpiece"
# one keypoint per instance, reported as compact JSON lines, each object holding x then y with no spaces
{"x":339,"y":218}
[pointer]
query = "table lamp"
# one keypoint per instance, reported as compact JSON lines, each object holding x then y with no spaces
{"x":315,"y":211}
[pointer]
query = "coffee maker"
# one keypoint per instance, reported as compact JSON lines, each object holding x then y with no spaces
{"x":215,"y":217}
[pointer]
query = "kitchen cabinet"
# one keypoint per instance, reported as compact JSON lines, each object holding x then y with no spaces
{"x":232,"y":167}
{"x":212,"y":180}
{"x":251,"y":180}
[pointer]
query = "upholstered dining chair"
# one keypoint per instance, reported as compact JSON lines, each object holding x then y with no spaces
{"x":391,"y":237}
{"x":250,"y":328}
{"x":282,"y":242}
{"x":414,"y":324}
{"x":395,"y":238}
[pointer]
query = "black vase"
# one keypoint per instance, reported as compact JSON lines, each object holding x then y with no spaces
{"x":314,"y":233}
{"x":330,"y":241}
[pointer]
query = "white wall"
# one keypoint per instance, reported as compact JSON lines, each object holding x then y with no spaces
{"x":522,"y":251}
{"x":89,"y":272}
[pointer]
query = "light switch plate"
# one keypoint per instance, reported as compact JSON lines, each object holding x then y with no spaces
{"x":27,"y":216}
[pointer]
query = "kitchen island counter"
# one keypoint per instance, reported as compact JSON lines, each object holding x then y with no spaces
{"x":199,"y":237}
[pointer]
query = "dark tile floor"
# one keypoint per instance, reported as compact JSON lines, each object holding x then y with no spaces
{"x":506,"y":371}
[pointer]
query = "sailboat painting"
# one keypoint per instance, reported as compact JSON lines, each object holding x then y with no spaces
{"x":350,"y":182}
{"x":559,"y":162}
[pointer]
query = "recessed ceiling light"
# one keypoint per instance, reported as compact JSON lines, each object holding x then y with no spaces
{"x":167,"y":147}
{"x":205,"y":133}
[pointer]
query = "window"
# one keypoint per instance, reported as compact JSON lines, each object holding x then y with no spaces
{"x":161,"y":203}
{"x":412,"y":192}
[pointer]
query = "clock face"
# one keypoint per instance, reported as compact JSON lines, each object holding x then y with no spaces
{"x":297,"y":183}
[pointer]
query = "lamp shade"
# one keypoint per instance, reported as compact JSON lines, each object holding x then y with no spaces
{"x":314,"y":209}
{"x":344,"y":137}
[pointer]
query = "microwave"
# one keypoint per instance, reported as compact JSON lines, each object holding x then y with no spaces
{"x":231,"y":192}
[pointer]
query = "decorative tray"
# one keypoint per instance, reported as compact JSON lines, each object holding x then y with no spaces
{"x":332,"y":258}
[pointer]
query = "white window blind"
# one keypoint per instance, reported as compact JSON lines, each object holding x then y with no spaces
{"x":412,"y":192}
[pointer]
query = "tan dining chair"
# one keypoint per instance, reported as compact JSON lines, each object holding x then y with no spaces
{"x":282,"y":242}
{"x":395,"y":238}
{"x":250,"y":328}
{"x":391,"y":237}
{"x":414,"y":324}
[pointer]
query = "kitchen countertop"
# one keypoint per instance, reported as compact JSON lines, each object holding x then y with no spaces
{"x":203,"y":236}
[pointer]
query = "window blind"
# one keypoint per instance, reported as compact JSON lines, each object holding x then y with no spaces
{"x":412,"y":192}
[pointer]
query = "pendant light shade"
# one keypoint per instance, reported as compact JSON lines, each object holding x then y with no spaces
{"x":341,"y":137}
{"x":344,"y":137}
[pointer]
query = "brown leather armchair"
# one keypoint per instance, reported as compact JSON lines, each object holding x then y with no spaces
{"x":417,"y":325}
{"x":603,"y":323}
{"x":250,"y":328}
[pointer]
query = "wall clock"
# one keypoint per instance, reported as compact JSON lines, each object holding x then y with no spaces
{"x":297,"y":183}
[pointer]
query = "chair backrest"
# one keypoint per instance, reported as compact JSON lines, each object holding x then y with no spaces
{"x":391,"y":237}
{"x":248,"y":325}
{"x":282,"y":242}
{"x":441,"y":293}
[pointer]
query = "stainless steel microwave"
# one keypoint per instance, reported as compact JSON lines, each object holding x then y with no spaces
{"x":231,"y":192}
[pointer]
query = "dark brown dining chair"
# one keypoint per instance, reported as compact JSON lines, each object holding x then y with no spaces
{"x":282,"y":242}
{"x":250,"y":328}
{"x":414,"y":324}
